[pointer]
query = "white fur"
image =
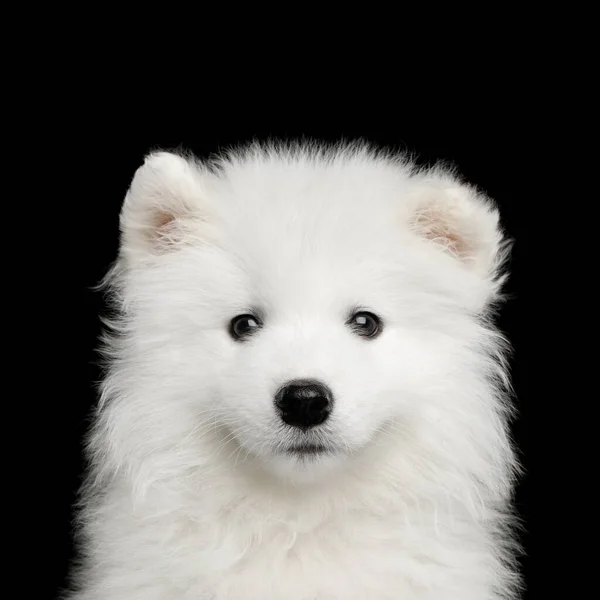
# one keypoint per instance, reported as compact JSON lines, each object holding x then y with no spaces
{"x":189,"y":495}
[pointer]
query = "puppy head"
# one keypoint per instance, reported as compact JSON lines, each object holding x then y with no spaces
{"x":300,"y":310}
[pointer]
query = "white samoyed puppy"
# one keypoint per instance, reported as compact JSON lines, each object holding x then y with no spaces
{"x":305,"y":398}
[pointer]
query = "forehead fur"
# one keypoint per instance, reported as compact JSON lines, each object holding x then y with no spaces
{"x":302,"y":201}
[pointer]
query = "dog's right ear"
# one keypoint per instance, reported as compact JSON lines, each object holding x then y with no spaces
{"x":165,"y":196}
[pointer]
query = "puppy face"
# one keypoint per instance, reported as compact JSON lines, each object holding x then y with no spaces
{"x":299,"y":311}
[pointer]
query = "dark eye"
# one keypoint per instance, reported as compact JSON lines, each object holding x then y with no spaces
{"x":365,"y":324}
{"x":243,"y":326}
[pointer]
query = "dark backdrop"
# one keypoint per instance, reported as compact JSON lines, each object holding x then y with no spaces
{"x":104,"y":154}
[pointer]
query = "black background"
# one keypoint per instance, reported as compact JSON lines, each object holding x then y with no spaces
{"x":485,"y":142}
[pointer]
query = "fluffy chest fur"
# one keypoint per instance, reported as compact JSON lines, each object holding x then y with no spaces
{"x":370,"y":545}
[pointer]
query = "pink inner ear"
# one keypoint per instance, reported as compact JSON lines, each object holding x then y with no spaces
{"x":162,"y":219}
{"x":162,"y":229}
{"x":433,"y":225}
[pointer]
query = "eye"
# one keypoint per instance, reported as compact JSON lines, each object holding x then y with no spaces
{"x":365,"y":324}
{"x":243,"y":326}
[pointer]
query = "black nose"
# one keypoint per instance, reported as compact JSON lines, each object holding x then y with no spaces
{"x":304,"y":403}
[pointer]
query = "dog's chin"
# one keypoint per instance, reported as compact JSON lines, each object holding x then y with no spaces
{"x":296,"y":459}
{"x":305,"y":463}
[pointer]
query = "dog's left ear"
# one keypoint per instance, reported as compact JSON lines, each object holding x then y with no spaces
{"x":459,"y":221}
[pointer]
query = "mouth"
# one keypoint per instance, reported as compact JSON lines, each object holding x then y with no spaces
{"x":307,"y":450}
